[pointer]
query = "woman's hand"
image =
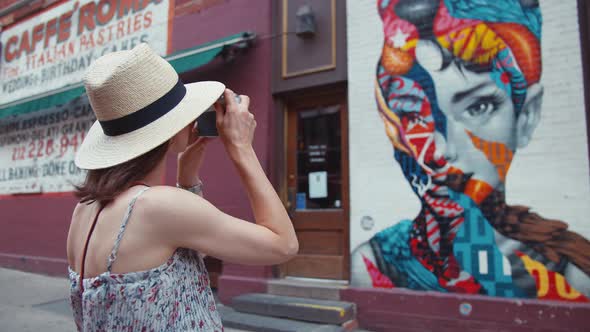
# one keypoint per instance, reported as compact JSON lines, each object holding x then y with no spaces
{"x":235,"y":124}
{"x":191,"y":159}
{"x":194,"y":223}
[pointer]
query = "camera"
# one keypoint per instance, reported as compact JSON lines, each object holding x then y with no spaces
{"x":207,"y":122}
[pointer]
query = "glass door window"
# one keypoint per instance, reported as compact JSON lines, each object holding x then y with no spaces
{"x":319,"y":170}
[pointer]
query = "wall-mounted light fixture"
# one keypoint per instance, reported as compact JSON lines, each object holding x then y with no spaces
{"x":229,"y":52}
{"x":305,"y":26}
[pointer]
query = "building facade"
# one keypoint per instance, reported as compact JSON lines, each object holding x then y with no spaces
{"x":390,"y":128}
{"x":456,"y":125}
{"x":36,"y":206}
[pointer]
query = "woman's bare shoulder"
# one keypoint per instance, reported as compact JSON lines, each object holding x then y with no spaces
{"x":167,"y":200}
{"x":169,"y":212}
{"x":158,"y":194}
{"x":80,"y":211}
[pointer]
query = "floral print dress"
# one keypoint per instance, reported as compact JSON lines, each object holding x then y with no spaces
{"x":172,"y":297}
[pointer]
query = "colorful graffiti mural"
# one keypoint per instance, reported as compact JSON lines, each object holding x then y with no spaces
{"x":458,"y":89}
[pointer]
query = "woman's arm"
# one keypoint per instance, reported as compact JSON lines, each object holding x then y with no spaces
{"x":183,"y":219}
{"x":190,"y":221}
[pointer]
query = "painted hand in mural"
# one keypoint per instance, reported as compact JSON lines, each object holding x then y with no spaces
{"x":457,"y":87}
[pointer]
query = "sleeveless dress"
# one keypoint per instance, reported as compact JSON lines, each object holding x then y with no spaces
{"x":174,"y":296}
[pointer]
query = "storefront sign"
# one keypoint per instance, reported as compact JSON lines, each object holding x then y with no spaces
{"x":51,"y":50}
{"x":37,"y":150}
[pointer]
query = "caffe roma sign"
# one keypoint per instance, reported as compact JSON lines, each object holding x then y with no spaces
{"x":52,"y":49}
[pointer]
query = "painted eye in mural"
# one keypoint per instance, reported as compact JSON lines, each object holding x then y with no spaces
{"x":483,"y":106}
{"x":479,"y":109}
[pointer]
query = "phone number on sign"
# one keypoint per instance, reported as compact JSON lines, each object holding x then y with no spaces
{"x":48,"y":147}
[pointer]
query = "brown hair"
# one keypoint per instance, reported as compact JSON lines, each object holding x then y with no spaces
{"x":551,"y":238}
{"x":103,"y":185}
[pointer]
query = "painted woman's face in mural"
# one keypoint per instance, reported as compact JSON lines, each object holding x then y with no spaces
{"x":454,"y":96}
{"x":473,"y":105}
{"x":482,"y":126}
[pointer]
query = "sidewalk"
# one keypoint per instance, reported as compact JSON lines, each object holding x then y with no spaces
{"x":32,"y":302}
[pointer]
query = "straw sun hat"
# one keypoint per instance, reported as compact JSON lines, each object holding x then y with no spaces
{"x":139,"y":102}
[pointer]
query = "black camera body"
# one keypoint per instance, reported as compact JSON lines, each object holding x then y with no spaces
{"x":207,"y":122}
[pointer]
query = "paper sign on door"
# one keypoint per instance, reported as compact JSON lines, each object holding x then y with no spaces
{"x":318,"y":184}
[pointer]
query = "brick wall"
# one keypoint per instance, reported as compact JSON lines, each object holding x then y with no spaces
{"x":549,"y":174}
{"x":400,"y":310}
{"x":35,"y":226}
{"x":24,"y":11}
{"x":182,"y":7}
{"x":6,"y":3}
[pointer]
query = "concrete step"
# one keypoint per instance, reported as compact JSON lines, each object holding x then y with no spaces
{"x":250,"y":322}
{"x":307,"y":289}
{"x":311,"y":310}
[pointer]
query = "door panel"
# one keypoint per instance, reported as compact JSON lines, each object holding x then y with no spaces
{"x":320,"y":242}
{"x":317,"y":186}
{"x":316,"y":266}
{"x":321,"y":219}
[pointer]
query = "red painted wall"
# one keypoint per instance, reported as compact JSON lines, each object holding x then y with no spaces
{"x":248,"y":74}
{"x":33,"y":232}
{"x":33,"y":228}
{"x":406,"y":310}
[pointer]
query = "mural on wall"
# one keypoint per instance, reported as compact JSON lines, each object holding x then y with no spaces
{"x":458,"y":90}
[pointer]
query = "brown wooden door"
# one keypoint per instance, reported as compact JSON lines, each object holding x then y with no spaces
{"x":317,"y":186}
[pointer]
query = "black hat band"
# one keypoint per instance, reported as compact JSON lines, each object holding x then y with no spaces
{"x":146,"y":115}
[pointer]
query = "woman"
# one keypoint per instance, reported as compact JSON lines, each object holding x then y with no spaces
{"x":128,"y":221}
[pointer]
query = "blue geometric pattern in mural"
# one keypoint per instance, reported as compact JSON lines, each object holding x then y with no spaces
{"x":475,"y":240}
